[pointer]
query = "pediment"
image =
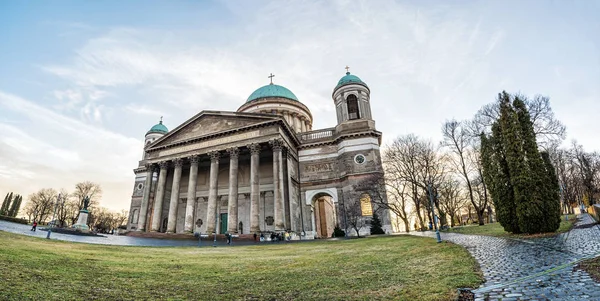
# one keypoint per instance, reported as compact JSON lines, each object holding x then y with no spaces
{"x":207,"y":123}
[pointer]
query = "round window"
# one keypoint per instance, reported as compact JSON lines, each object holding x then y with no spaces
{"x":140,"y":186}
{"x":360,"y":159}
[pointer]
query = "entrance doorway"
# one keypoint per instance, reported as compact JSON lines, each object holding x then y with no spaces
{"x":223,"y":228}
{"x":324,"y":216}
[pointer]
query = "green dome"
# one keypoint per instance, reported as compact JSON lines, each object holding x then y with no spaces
{"x":160,"y":128}
{"x":272,"y":90}
{"x":350,"y":79}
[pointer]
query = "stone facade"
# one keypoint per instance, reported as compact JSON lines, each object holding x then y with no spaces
{"x":255,"y":171}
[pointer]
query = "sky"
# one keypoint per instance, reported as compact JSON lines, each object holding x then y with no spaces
{"x":82,"y":81}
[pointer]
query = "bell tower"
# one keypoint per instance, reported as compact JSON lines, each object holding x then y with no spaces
{"x":352,"y":99}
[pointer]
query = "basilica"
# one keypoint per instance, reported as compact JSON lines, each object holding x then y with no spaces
{"x":264,"y":169}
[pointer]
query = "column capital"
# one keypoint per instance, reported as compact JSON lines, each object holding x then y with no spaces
{"x":234,"y":152}
{"x":163,"y":164}
{"x":276,"y":144}
{"x":214,"y":156}
{"x":177,"y":162}
{"x":254,"y":148}
{"x":194,"y":159}
{"x":149,"y":166}
{"x":263,"y":194}
{"x":246,"y":195}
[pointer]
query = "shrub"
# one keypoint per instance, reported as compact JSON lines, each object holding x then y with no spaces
{"x":14,"y":219}
{"x":338,"y":232}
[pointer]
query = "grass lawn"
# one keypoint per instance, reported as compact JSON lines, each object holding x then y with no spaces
{"x":384,"y":268}
{"x":495,"y":229}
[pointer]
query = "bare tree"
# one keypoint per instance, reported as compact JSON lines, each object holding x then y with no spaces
{"x":354,"y":215}
{"x":547,"y":128}
{"x":401,"y":159}
{"x":451,"y":200}
{"x":458,"y":139}
{"x":387,"y":194}
{"x":62,"y":212}
{"x":89,"y":189}
{"x":40,"y":205}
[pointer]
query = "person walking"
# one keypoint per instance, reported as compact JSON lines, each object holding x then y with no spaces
{"x":33,"y":228}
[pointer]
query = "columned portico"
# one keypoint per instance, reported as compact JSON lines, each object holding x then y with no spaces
{"x":211,"y":210}
{"x":147,"y":190}
{"x":160,"y":195}
{"x":254,"y":187}
{"x":172,"y":221}
{"x":191,"y":195}
{"x":277,"y":187}
{"x":232,"y":208}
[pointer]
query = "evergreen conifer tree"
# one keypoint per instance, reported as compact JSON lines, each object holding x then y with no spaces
{"x":532,"y":213}
{"x":16,"y":204}
{"x":376,"y":225}
{"x":522,"y":181}
{"x":511,"y":141}
{"x":552,"y":199}
{"x":6,"y":204}
{"x":495,"y":172}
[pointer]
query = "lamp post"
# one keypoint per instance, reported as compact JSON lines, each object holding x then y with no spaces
{"x":437,"y":229}
{"x":53,"y":221}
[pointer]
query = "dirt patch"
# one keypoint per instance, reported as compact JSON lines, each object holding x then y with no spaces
{"x":592,"y":267}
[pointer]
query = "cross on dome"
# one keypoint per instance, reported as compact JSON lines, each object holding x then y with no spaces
{"x":271,"y":77}
{"x":347,"y":69}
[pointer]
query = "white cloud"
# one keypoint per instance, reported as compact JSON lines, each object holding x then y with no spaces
{"x":48,"y":149}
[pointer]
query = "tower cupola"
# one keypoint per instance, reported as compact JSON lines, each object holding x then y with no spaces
{"x":352,"y":98}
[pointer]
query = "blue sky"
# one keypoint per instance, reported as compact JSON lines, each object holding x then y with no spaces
{"x":82,"y":81}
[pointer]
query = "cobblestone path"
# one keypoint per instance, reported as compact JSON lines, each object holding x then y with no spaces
{"x":504,"y":261}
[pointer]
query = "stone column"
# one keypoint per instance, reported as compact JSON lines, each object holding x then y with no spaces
{"x":291,"y":170}
{"x":254,"y":187}
{"x":286,"y":117}
{"x":160,"y":195}
{"x":282,"y":157}
{"x":211,"y":209}
{"x":277,"y":191}
{"x":146,"y":197}
{"x":191,"y":196}
{"x":296,"y":122}
{"x":302,"y":124}
{"x":232,"y":206}
{"x":172,"y":221}
{"x":263,"y":201}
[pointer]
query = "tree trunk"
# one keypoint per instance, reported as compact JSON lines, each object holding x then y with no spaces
{"x":406,"y":225}
{"x":480,"y":217}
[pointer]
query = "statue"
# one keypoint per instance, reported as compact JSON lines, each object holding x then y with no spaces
{"x":86,"y":202}
{"x":81,"y":224}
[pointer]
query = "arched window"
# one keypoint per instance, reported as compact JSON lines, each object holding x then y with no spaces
{"x":353,"y":112}
{"x":365,"y":205}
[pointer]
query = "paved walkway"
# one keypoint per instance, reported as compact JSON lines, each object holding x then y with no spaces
{"x":505,"y":262}
{"x":119,"y":240}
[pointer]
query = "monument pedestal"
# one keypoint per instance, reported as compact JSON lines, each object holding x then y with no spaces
{"x":81,"y":224}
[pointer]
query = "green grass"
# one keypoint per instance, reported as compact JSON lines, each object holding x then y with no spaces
{"x":384,"y":268}
{"x":495,"y":229}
